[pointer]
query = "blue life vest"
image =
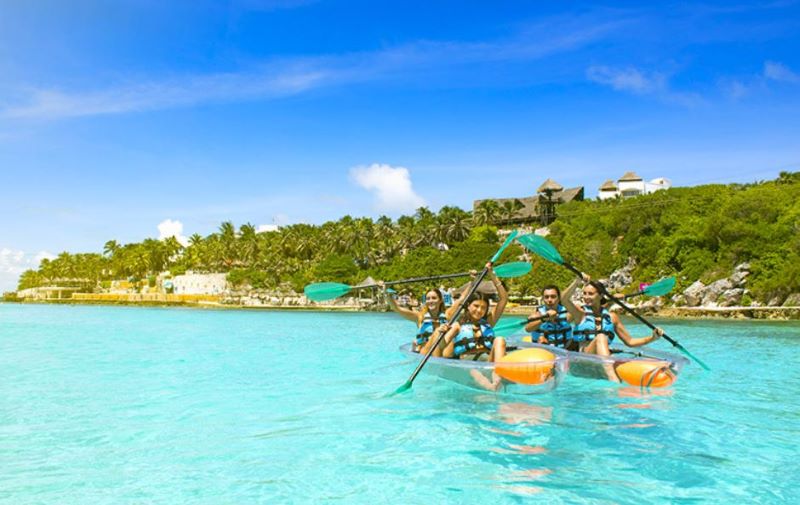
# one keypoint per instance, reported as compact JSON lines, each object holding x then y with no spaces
{"x":558,"y":331}
{"x":466,"y":342}
{"x":447,"y":299}
{"x":589,"y":327}
{"x":426,"y":328}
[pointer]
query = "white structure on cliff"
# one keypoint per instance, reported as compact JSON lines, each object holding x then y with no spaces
{"x":631,"y":185}
{"x":200,"y":284}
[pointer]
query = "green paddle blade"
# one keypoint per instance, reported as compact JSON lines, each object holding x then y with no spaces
{"x":698,"y":360}
{"x":323,"y":291}
{"x":515,"y":269}
{"x":540,"y":246}
{"x":660,"y":288}
{"x":509,"y":326}
{"x":509,"y":239}
{"x":402,"y":389}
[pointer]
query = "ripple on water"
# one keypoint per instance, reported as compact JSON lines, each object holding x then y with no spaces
{"x":125,"y":405}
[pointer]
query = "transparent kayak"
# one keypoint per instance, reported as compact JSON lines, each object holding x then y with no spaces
{"x":640,"y":366}
{"x":528,"y":369}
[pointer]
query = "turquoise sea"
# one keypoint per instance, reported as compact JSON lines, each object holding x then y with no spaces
{"x":116,"y":405}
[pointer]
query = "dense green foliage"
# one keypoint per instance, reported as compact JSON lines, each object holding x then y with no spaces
{"x":694,"y":233}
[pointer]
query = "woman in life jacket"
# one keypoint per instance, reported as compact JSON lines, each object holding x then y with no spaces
{"x":472,"y":336}
{"x":596,"y":327}
{"x":556,"y":327}
{"x":430,"y":319}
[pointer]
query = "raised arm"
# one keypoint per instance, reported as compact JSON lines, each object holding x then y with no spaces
{"x":409,"y":314}
{"x":566,"y":300}
{"x":502,"y":297}
{"x":459,"y":300}
{"x":622,"y":333}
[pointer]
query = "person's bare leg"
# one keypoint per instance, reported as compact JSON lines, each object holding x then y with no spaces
{"x":448,"y":342}
{"x":599,"y":346}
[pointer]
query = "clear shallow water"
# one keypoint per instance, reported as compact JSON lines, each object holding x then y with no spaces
{"x":134,"y":405}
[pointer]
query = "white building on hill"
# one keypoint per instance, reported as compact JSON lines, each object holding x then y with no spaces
{"x":631,"y":185}
{"x":200,"y":284}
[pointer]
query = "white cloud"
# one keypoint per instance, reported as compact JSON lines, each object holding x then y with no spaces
{"x":627,"y":79}
{"x":14,"y":262}
{"x":780,"y":72}
{"x":169,"y":228}
{"x":263,"y":228}
{"x":155,"y":95}
{"x":639,"y":82}
{"x":391,"y":185}
{"x":277,"y":78}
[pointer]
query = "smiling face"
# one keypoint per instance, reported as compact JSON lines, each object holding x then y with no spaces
{"x":477,"y":309}
{"x":591,"y":296}
{"x":434,"y":302}
{"x":550,"y":298}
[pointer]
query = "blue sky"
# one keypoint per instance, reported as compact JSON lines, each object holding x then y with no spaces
{"x":118,"y":116}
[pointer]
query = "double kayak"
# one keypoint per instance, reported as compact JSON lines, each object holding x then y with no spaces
{"x":529,"y":369}
{"x":640,"y":366}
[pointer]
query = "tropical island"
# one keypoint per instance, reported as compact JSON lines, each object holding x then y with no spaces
{"x":733,"y":249}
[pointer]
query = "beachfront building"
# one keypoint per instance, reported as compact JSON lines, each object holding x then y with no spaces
{"x":200,"y":284}
{"x":631,"y":185}
{"x":539,"y":209}
{"x":48,"y":293}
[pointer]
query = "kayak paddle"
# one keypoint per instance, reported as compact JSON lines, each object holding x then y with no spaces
{"x":440,"y":336}
{"x":513,"y":325}
{"x":322,"y":291}
{"x":546,"y":250}
{"x":658,"y":288}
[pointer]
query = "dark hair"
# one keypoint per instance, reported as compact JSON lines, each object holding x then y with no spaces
{"x":603,"y":298}
{"x":552,"y":286}
{"x":476,"y":297}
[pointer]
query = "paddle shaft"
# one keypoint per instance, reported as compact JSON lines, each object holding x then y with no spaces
{"x":633,"y":295}
{"x":461,"y":304}
{"x":619,"y":302}
{"x":452,"y":320}
{"x":420,"y":279}
{"x":632,"y":312}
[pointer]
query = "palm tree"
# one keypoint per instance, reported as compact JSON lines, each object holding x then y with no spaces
{"x":453,"y":225}
{"x":486,"y":212}
{"x":510,"y":208}
{"x":110,"y":248}
{"x":248,"y":243}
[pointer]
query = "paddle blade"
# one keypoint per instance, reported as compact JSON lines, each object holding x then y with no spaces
{"x":402,"y":389}
{"x":515,"y":269}
{"x":660,"y":288}
{"x":323,"y":291}
{"x":509,"y":239}
{"x":695,"y":358}
{"x":541,"y":247}
{"x":509,"y":326}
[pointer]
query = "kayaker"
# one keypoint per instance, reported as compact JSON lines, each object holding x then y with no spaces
{"x":472,"y":336}
{"x":597,"y":327}
{"x":430,"y":319}
{"x":556,"y":329}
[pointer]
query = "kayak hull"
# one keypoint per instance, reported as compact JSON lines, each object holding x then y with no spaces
{"x":534,"y":376}
{"x":639,"y":366}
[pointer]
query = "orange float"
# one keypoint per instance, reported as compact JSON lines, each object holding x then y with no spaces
{"x":646,"y":373}
{"x":526,"y":366}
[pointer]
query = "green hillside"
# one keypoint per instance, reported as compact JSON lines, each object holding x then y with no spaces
{"x":693,"y":233}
